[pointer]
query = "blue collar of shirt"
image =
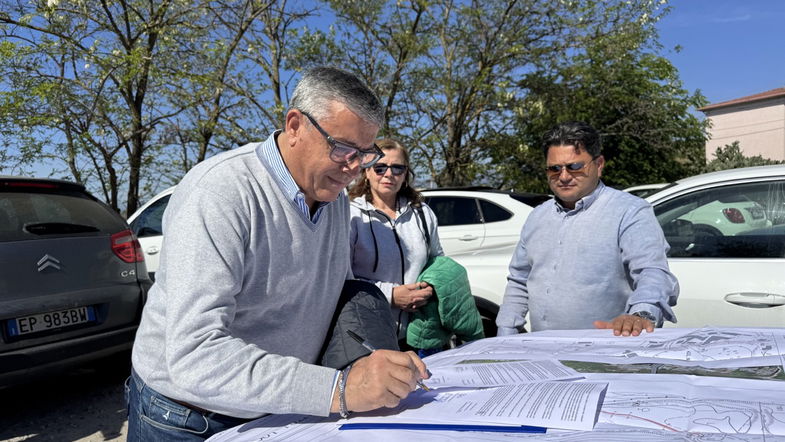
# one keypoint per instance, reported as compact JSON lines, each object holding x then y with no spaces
{"x":583,"y":203}
{"x":270,"y":154}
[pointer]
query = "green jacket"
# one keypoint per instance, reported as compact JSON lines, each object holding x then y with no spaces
{"x":451,"y":312}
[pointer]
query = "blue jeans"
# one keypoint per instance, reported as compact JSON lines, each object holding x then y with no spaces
{"x":153,"y":417}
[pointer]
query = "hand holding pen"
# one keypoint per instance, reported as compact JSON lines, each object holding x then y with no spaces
{"x":364,"y":342}
{"x":381,"y":379}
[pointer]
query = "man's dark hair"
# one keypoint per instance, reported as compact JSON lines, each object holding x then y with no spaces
{"x":573,"y":133}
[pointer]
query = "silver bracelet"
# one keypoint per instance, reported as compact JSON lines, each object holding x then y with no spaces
{"x":343,"y":410}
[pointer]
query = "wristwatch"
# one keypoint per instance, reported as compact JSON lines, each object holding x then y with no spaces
{"x":645,"y":315}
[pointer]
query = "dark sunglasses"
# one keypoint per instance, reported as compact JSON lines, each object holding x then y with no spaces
{"x":381,"y":169}
{"x":571,"y":167}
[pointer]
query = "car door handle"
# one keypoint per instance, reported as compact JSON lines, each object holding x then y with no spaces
{"x":468,"y":238}
{"x":152,"y":250}
{"x":755,"y":300}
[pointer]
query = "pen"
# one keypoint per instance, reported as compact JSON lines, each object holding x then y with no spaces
{"x":372,"y":349}
{"x":442,"y":427}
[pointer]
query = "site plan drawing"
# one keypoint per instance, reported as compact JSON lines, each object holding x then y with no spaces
{"x":705,"y":347}
{"x":692,"y":385}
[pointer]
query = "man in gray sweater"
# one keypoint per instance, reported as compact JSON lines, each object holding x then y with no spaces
{"x":254,"y":258}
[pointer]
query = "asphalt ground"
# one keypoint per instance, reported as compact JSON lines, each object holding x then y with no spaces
{"x":84,"y":404}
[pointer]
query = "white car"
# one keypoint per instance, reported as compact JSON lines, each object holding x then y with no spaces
{"x":469,"y":219}
{"x":644,"y":190}
{"x":146,"y":225}
{"x":732,"y":214}
{"x":476,"y":218}
{"x":726,"y":279}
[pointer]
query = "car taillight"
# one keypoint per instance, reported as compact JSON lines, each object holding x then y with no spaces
{"x":127,"y":247}
{"x":734,"y":215}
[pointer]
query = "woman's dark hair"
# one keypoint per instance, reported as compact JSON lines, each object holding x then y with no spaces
{"x":363,"y":187}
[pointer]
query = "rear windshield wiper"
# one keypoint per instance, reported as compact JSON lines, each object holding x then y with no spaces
{"x":58,"y":228}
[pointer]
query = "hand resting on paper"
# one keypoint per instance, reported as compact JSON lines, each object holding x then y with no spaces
{"x":626,"y":325}
{"x":381,"y":379}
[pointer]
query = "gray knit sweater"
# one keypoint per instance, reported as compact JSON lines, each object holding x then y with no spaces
{"x":244,"y":294}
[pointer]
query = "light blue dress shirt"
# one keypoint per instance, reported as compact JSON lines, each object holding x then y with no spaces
{"x":269,"y":151}
{"x":571,"y":267}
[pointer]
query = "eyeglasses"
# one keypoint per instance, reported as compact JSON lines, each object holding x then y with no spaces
{"x":343,"y":153}
{"x":571,"y":167}
{"x":381,"y":169}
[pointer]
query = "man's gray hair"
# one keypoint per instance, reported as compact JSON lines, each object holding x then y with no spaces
{"x":321,"y":85}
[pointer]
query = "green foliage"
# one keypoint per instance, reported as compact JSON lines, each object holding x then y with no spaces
{"x":93,"y":84}
{"x":731,"y":157}
{"x":473,"y":85}
{"x":447,"y":71}
{"x":128,"y":96}
{"x":132,"y":94}
{"x":619,"y":85}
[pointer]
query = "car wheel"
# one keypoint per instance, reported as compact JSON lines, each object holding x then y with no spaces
{"x":488,"y":312}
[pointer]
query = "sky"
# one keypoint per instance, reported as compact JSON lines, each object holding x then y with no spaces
{"x":730,"y":48}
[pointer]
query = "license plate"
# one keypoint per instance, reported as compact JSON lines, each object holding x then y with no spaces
{"x":50,"y":320}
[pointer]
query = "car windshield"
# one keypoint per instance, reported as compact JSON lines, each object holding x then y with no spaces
{"x":31,"y":214}
{"x":643,"y":193}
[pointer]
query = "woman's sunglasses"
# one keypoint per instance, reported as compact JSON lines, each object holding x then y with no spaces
{"x":397,"y":169}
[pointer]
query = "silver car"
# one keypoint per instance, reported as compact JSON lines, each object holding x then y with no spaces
{"x":72,"y":278}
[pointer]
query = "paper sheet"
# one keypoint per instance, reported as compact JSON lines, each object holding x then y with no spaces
{"x":500,"y":373}
{"x":694,"y":404}
{"x":705,"y":347}
{"x":718,"y":406}
{"x":328,"y":432}
{"x":566,"y":405}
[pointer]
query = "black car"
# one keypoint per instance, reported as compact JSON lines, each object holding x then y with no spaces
{"x":72,"y":278}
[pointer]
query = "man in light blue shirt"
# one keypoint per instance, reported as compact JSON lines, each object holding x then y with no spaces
{"x":591,"y":257}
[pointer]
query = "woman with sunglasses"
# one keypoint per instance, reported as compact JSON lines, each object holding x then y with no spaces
{"x":393,"y":233}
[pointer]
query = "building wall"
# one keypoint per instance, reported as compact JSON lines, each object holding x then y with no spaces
{"x":758,"y":126}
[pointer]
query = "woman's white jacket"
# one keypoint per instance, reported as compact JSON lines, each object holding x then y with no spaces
{"x":390,"y":252}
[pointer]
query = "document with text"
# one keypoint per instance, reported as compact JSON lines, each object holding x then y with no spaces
{"x":565,"y":405}
{"x":497,"y":374}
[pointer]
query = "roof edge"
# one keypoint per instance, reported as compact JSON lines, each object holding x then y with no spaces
{"x":774,"y":93}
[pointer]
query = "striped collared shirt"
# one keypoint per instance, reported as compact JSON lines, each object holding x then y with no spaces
{"x":270,"y":153}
